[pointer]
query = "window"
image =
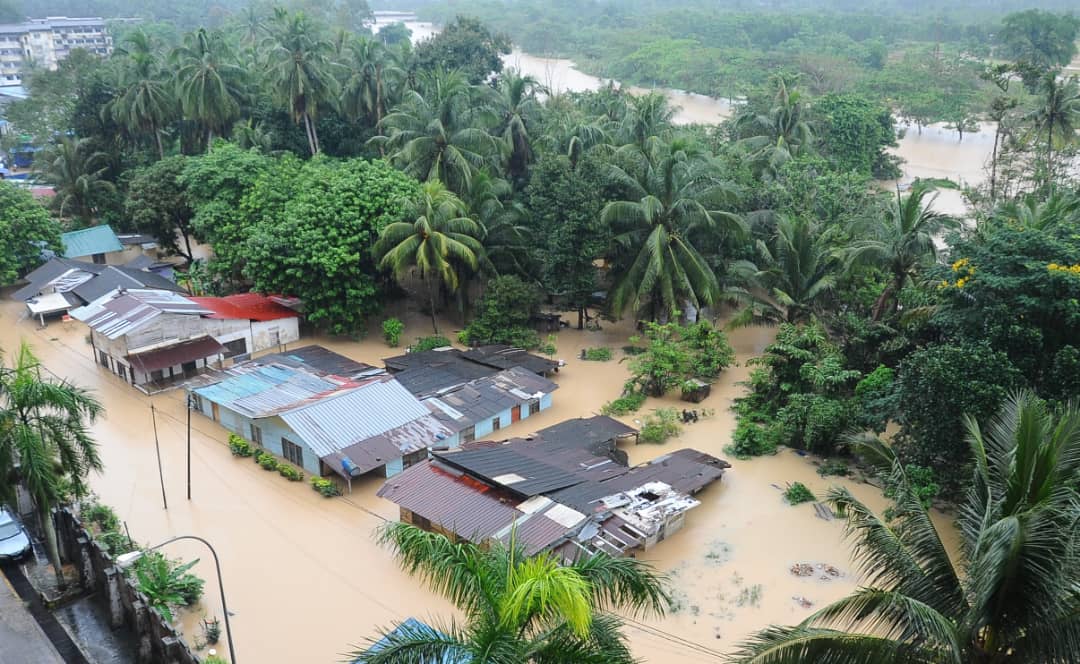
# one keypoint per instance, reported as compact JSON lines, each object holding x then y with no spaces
{"x":103,"y":358}
{"x":235,"y":347}
{"x":256,"y":434}
{"x":189,"y":368}
{"x":468,"y":435}
{"x":157,"y":376}
{"x":292,"y":452}
{"x":495,"y":424}
{"x":99,"y":259}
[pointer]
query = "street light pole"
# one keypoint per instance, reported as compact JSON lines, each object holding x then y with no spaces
{"x":128,"y":559}
{"x":190,"y":399}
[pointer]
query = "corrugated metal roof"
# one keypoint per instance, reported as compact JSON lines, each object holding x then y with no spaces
{"x":121,"y":312}
{"x":503,"y":465}
{"x":53,"y":270}
{"x":261,"y":390}
{"x":115,"y":277}
{"x":464,"y":506}
{"x":587,"y":432}
{"x":501,"y":356}
{"x":90,"y":241}
{"x":171,"y":356}
{"x":486,"y":397}
{"x":321,"y":360}
{"x":245,"y":306}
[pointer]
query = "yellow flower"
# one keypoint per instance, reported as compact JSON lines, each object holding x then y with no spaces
{"x":961,"y":281}
{"x":944,"y":284}
{"x":959,"y":264}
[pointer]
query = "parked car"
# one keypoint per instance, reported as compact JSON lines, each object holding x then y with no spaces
{"x":14,"y":542}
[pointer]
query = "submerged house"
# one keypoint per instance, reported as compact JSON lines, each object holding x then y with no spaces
{"x":152,"y":338}
{"x":554,"y":491}
{"x":429,"y":372}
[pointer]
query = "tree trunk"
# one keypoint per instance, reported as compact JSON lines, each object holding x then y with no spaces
{"x":431,"y":302}
{"x":378,"y":104}
{"x":1050,"y":154}
{"x":314,"y":135}
{"x":883,"y":299}
{"x":160,"y":147}
{"x":993,"y":163}
{"x":187,"y":241}
{"x":209,"y":138}
{"x":47,"y":525}
{"x":310,"y":139}
{"x":580,"y":317}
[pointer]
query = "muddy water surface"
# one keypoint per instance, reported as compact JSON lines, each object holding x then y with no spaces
{"x":305,"y":579}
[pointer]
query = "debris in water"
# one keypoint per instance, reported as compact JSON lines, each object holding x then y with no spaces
{"x":829,"y":570}
{"x":823,"y":511}
{"x":802,"y":601}
{"x":802,"y":569}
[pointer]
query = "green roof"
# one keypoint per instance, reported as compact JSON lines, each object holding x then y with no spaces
{"x":90,"y":241}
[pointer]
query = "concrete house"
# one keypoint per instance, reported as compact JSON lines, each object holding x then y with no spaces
{"x":154,"y":338}
{"x":270,"y":325}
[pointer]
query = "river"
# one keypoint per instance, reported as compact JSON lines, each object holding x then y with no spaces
{"x":935,"y":152}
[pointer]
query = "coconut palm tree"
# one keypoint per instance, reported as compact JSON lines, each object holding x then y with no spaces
{"x":647,"y":116}
{"x":430,"y":136}
{"x":1038,"y":213}
{"x":796,"y":271}
{"x":1056,"y":114}
{"x":514,"y":102}
{"x":506,"y":234}
{"x":146,"y":104}
{"x":365,"y":92}
{"x":1012,"y":594}
{"x":440,"y":242}
{"x":517,"y":608}
{"x":300,"y":70}
{"x":901,"y":241}
{"x":208,"y":82}
{"x":44,"y":440}
{"x":775,"y":137}
{"x":77,"y":174}
{"x":672,"y":195}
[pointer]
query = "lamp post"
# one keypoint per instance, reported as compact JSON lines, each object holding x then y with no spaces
{"x":190,"y":405}
{"x":126,"y":560}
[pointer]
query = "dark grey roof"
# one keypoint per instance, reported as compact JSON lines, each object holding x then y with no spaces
{"x":423,"y":379}
{"x":144,"y":262}
{"x":685,"y":470}
{"x":136,"y":238}
{"x":113,"y":277}
{"x":590,"y":432}
{"x":465,"y":405}
{"x":501,"y":356}
{"x":320,"y":359}
{"x":421,"y":359}
{"x":504,"y":466}
{"x":50,"y":270}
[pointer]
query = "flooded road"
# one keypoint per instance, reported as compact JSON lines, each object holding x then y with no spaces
{"x":305,"y":580}
{"x":936,"y":152}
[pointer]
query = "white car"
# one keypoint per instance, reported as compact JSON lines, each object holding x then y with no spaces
{"x":14,"y":542}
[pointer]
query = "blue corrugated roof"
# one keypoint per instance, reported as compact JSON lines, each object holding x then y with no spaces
{"x":257,"y":391}
{"x":90,"y":241}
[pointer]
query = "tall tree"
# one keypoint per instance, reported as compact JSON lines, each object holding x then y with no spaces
{"x":647,"y":116}
{"x":146,"y":104}
{"x":208,"y":82}
{"x":901,"y":241}
{"x":371,"y":67}
{"x":77,"y":172}
{"x":1039,"y":38}
{"x":1014,"y":601}
{"x":672,"y":195}
{"x":157,"y":203}
{"x":26,"y":231}
{"x":515,"y":104}
{"x":464,"y":44}
{"x":439,"y":239}
{"x":518,"y":608}
{"x":301,"y":70}
{"x":44,"y":440}
{"x":773,"y":138}
{"x":1056,"y":115}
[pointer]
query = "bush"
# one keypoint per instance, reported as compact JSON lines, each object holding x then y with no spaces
{"x":290,"y":473}
{"x":834,"y":468}
{"x":662,"y":424}
{"x":752,"y":439}
{"x":190,"y":588}
{"x":325,"y":486}
{"x":115,"y":542}
{"x":240,"y":447}
{"x":429,"y":343}
{"x":798,"y":493}
{"x":600,"y":354}
{"x":101,"y":515}
{"x":504,"y":312}
{"x":267,"y":461}
{"x":624,"y":405}
{"x":813,"y":422}
{"x":391,"y":330}
{"x":876,"y":398}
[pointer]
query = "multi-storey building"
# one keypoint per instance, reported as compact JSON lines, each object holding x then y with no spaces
{"x":46,"y":41}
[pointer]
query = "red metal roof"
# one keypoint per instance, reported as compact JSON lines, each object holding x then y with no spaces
{"x":245,"y":306}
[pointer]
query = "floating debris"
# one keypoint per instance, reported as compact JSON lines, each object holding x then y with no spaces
{"x":823,"y":512}
{"x":802,"y":569}
{"x":802,"y":601}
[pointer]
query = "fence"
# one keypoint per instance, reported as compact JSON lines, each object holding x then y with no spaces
{"x":126,"y":607}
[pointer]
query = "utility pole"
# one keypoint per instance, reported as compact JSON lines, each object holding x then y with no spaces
{"x":190,"y":399}
{"x":157,"y":447}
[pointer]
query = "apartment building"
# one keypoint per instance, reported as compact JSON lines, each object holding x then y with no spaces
{"x":47,"y":41}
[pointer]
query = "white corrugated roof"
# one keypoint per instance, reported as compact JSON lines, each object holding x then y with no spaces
{"x":119,"y":312}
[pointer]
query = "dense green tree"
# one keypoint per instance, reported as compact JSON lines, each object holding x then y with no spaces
{"x":1056,"y":116}
{"x":465,"y":44}
{"x":27,"y":231}
{"x":1039,"y":38}
{"x":45,"y":442}
{"x":146,"y":104}
{"x":517,"y":608}
{"x":208,"y":82}
{"x":312,"y":228}
{"x":300,"y":70}
{"x":854,"y":133}
{"x":77,"y":172}
{"x":504,"y":313}
{"x":1009,"y":596}
{"x":438,"y":240}
{"x":157,"y":203}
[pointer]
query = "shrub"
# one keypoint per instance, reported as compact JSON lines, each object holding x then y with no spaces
{"x":752,"y":439}
{"x":429,"y":343}
{"x":813,"y":422}
{"x":798,"y":493}
{"x":503,"y":313}
{"x":240,"y":447}
{"x":600,"y":354}
{"x":877,"y":399}
{"x":290,"y":473}
{"x":834,"y":468}
{"x":190,"y":588}
{"x":101,"y":515}
{"x":167,"y":584}
{"x":115,"y":542}
{"x":325,"y":486}
{"x":391,"y":330}
{"x":662,"y":424}
{"x":267,"y":461}
{"x":214,"y":659}
{"x":624,"y":405}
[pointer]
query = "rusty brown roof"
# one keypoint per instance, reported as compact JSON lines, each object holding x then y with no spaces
{"x":175,"y":355}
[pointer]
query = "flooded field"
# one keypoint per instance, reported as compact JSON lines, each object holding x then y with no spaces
{"x":305,"y":580}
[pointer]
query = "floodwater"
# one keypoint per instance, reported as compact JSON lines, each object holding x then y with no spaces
{"x":304,"y":578}
{"x":936,"y":152}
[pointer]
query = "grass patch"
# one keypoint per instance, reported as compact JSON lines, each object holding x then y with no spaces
{"x":624,"y":405}
{"x":834,"y":468}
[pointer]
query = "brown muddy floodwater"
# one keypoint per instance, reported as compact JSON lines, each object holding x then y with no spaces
{"x":305,"y":580}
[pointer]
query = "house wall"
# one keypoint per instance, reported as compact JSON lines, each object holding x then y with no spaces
{"x":273,"y":333}
{"x":273,"y":429}
{"x":486,"y":426}
{"x":164,"y":330}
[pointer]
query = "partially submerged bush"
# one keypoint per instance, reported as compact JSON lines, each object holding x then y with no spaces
{"x":752,"y":439}
{"x":240,"y":447}
{"x":834,"y":468}
{"x":429,"y":343}
{"x":624,"y":405}
{"x":266,"y":460}
{"x":290,"y":473}
{"x":661,"y":424}
{"x":601,"y":354}
{"x":325,"y":486}
{"x":392,"y":329}
{"x":798,"y":493}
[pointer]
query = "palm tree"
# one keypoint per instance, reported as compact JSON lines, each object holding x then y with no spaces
{"x":672,"y":194}
{"x":1038,"y":213}
{"x":364,"y":93}
{"x":207,"y":82}
{"x":1012,"y":595}
{"x":901,"y":242}
{"x":439,"y":242}
{"x":506,"y":234}
{"x":429,"y":135}
{"x":514,"y":101}
{"x":146,"y":104}
{"x":1056,"y":114}
{"x":775,"y":137}
{"x":796,"y":273}
{"x":517,"y":608}
{"x":646,"y":116}
{"x":44,"y":442}
{"x":300,"y":70}
{"x":77,"y":175}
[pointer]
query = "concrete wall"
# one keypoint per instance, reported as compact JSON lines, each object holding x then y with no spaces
{"x":273,"y":429}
